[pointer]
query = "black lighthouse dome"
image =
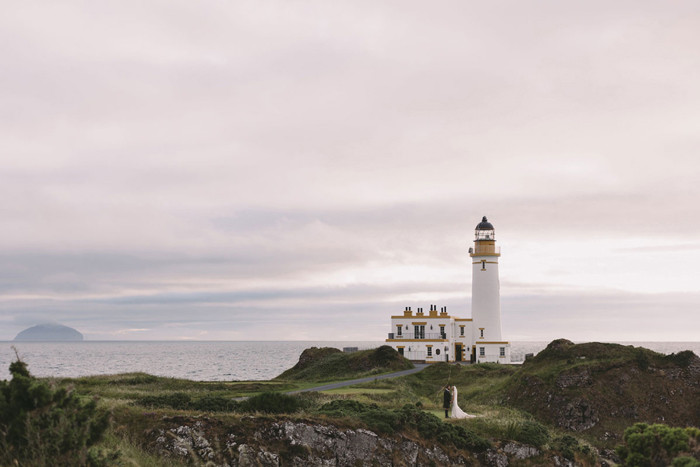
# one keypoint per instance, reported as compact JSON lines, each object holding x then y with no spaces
{"x":484,"y":225}
{"x":485,"y":231}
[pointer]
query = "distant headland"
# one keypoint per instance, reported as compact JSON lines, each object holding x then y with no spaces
{"x":49,"y":332}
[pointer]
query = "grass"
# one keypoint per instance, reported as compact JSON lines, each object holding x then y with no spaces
{"x":354,"y":390}
{"x":326,"y":364}
{"x":483,"y":389}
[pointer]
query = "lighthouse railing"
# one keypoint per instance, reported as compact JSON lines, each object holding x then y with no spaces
{"x":420,"y":335}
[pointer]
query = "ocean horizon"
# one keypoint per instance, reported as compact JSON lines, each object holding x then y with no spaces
{"x":207,"y":360}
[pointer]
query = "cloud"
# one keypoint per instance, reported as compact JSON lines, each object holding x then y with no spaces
{"x":205,"y":159}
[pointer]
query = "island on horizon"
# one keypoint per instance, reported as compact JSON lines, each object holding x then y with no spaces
{"x":49,"y":332}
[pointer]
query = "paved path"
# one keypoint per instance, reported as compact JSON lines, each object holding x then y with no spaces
{"x":342,"y":384}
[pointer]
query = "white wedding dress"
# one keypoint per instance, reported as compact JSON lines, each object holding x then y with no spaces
{"x":456,"y":411}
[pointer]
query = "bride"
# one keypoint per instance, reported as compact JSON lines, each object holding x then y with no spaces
{"x":456,"y":411}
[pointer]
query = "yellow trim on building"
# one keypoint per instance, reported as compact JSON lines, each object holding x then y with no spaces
{"x":462,"y":325}
{"x":418,"y":324}
{"x":464,"y":319}
{"x":487,"y":262}
{"x":416,"y":340}
{"x":494,"y":342}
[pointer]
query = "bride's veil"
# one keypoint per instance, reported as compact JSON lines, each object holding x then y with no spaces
{"x":456,"y":411}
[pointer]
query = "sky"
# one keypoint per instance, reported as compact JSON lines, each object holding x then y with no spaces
{"x":275,"y":170}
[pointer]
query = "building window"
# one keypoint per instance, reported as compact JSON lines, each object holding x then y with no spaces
{"x":483,"y":265}
{"x":461,"y":331}
{"x":442,"y":332}
{"x":482,"y":333}
{"x":503,"y":351}
{"x":482,"y":351}
{"x":419,"y":332}
{"x":401,"y":351}
{"x":437,"y":351}
{"x":430,"y":351}
{"x":398,"y":329}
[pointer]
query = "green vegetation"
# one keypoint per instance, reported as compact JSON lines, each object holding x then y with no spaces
{"x":530,"y":404}
{"x":44,"y":426}
{"x":659,"y":445}
{"x":328,"y":364}
{"x":408,"y":417}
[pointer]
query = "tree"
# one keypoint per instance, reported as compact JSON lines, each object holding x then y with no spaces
{"x":41,"y":425}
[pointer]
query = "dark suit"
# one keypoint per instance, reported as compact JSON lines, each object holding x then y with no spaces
{"x":447,"y":398}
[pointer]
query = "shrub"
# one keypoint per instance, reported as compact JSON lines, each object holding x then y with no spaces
{"x":654,"y":445}
{"x":214,"y":404}
{"x":682,"y":359}
{"x":177,"y":401}
{"x":533,"y":433}
{"x":42,"y":426}
{"x":271,"y":402}
{"x":569,"y":446}
{"x":388,"y":421}
{"x":685,"y":462}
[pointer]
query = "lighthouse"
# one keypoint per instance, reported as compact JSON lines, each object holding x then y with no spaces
{"x":439,"y":336}
{"x":486,"y":296}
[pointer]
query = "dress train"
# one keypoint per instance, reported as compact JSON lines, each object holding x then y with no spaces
{"x":456,"y":411}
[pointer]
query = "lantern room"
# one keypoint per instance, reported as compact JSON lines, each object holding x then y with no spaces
{"x":485,"y":230}
{"x":485,"y":240}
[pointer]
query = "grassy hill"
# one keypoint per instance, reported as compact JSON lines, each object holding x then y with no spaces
{"x":330,"y":364}
{"x":602,"y":388}
{"x":567,"y":401}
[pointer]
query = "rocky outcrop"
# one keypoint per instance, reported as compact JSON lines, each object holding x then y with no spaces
{"x":263,"y":442}
{"x":594,"y":387}
{"x":294,"y":443}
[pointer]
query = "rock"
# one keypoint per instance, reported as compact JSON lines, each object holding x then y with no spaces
{"x":493,"y":458}
{"x":520,"y":451}
{"x":578,"y":415}
{"x":580,"y":378}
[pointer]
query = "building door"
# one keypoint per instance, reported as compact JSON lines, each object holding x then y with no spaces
{"x":473,"y":359}
{"x":458,"y":353}
{"x":401,"y":351}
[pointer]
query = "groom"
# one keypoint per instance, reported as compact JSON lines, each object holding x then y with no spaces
{"x":446,"y":399}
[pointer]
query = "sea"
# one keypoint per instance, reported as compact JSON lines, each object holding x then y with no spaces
{"x":204,"y":360}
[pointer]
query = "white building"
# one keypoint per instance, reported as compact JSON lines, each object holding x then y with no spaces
{"x":438,"y":336}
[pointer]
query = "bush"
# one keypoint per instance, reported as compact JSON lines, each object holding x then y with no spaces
{"x":42,"y":426}
{"x":655,"y":445}
{"x":685,"y":462}
{"x":177,"y":401}
{"x":682,"y":359}
{"x":271,"y":402}
{"x":388,"y":421}
{"x":214,"y":404}
{"x":533,"y":433}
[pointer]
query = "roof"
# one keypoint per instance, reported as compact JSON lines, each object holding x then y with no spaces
{"x":484,"y":225}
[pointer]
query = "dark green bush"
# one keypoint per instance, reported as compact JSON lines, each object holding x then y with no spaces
{"x":267,"y":402}
{"x":271,"y":402}
{"x":567,"y":445}
{"x":177,"y":401}
{"x":654,"y":445}
{"x":682,"y":359}
{"x":685,"y":462}
{"x":214,"y":404}
{"x":42,"y":426}
{"x":533,"y":433}
{"x":388,"y":421}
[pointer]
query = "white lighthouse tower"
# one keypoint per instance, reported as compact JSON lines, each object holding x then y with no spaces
{"x":488,"y":344}
{"x":441,"y":337}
